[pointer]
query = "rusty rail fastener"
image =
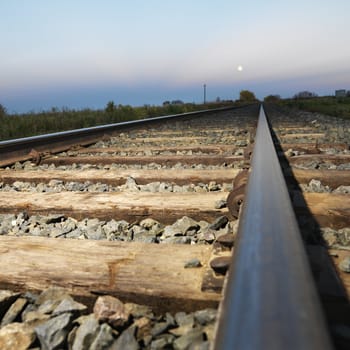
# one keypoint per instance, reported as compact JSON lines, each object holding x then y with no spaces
{"x":35,"y":156}
{"x":220,"y":264}
{"x":236,"y":196}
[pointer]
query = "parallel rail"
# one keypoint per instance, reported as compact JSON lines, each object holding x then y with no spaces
{"x":270,"y":301}
{"x":20,"y":149}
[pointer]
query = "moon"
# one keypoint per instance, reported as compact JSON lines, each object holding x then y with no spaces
{"x":239,"y":68}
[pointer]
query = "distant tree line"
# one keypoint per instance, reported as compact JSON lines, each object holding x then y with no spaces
{"x":272,"y":99}
{"x":55,"y":119}
{"x":305,"y":94}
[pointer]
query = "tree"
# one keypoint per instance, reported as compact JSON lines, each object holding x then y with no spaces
{"x":272,"y":98}
{"x":247,"y":96}
{"x":110,"y":108}
{"x":305,"y":94}
{"x":3,"y":111}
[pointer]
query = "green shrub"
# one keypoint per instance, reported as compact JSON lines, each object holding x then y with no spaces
{"x":337,"y":107}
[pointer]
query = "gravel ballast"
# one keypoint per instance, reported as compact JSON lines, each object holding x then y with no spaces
{"x":183,"y":231}
{"x":54,"y":320}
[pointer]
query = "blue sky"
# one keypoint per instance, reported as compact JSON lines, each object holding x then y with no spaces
{"x":84,"y":53}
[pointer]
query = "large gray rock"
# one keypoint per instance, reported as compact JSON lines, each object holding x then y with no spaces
{"x":186,"y":224}
{"x":69,"y":225}
{"x":131,"y":185}
{"x":140,"y":234}
{"x":103,"y":339}
{"x":159,"y":328}
{"x":182,"y":318}
{"x":110,"y":227}
{"x":74,"y":234}
{"x":86,"y":333}
{"x":126,"y":340}
{"x":171,"y":231}
{"x":219,"y":223}
{"x":205,"y":316}
{"x":53,"y":333}
{"x":68,"y":304}
{"x":92,"y":228}
{"x":182,"y":227}
{"x":50,"y":298}
{"x":195,"y":336}
{"x":207,"y":235}
{"x":116,"y":227}
{"x":95,"y":233}
{"x":164,"y":341}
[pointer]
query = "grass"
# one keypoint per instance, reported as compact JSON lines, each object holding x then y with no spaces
{"x":332,"y":106}
{"x":55,"y":120}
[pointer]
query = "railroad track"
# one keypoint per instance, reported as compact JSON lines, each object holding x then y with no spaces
{"x":147,"y":213}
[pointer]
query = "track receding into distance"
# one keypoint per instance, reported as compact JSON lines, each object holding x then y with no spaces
{"x":122,"y":237}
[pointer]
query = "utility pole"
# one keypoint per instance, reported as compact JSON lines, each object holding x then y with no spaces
{"x":205,"y":93}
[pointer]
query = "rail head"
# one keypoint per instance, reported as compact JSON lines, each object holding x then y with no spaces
{"x":270,"y":301}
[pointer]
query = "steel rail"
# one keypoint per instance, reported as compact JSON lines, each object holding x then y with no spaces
{"x":60,"y":141}
{"x":270,"y":301}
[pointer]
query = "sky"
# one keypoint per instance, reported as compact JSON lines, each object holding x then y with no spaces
{"x":84,"y":53}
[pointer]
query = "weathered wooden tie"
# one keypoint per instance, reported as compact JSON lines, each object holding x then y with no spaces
{"x":126,"y":270}
{"x":119,"y":177}
{"x":330,"y":210}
